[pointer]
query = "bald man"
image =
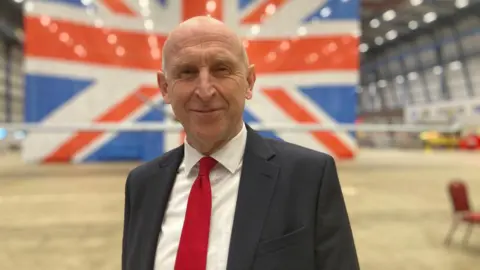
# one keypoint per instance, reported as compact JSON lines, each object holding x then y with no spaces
{"x":228,"y":198}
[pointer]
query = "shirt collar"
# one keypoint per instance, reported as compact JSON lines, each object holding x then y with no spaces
{"x":229,"y":156}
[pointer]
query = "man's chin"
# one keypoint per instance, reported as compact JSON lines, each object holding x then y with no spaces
{"x":209,"y":132}
{"x":208,"y":140}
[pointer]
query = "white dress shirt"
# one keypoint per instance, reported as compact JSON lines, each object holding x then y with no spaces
{"x":225,"y":179}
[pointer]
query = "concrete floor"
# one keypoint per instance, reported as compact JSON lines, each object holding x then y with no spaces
{"x":60,"y":217}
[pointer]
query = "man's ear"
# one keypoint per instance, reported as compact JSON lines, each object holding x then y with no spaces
{"x":251,"y":78}
{"x":163,"y":85}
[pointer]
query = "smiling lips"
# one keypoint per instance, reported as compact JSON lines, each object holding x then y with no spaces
{"x":206,"y":111}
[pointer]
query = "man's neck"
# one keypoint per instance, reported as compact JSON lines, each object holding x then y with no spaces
{"x":208,"y":148}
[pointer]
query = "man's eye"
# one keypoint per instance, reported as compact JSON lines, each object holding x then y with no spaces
{"x":222,"y":70}
{"x":187,"y":72}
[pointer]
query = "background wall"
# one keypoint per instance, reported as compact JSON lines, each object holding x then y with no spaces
{"x":96,"y":63}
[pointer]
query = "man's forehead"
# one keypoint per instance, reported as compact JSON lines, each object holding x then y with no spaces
{"x":193,"y":38}
{"x":203,"y":40}
{"x":204,"y":54}
{"x":206,"y":47}
{"x":205,"y":37}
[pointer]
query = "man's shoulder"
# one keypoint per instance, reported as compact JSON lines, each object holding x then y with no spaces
{"x":307,"y":164}
{"x":147,"y":168}
{"x":144,"y":168}
{"x":295,"y":151}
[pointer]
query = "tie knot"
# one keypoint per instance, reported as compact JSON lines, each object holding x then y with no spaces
{"x":206,"y":165}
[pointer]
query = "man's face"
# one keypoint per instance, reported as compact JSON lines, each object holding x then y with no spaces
{"x":206,"y":83}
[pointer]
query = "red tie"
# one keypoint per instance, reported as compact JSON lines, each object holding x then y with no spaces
{"x":193,"y":247}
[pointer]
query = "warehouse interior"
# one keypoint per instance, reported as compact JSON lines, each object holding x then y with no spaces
{"x":417,"y":128}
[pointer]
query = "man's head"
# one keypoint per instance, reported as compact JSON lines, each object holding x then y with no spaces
{"x":206,"y":78}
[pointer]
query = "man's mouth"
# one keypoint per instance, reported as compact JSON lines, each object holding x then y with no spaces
{"x":206,"y":111}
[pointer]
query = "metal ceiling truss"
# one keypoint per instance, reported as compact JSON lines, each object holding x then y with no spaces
{"x":372,"y":58}
{"x":428,"y":29}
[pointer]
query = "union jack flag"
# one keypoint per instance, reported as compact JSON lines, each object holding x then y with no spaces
{"x":95,"y":61}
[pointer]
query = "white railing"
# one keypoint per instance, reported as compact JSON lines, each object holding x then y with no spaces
{"x":111,"y":127}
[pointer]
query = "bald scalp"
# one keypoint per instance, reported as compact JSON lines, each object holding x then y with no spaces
{"x":201,"y":25}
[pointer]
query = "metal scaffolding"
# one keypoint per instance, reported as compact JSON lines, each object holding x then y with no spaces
{"x":425,"y":51}
{"x":10,"y":50}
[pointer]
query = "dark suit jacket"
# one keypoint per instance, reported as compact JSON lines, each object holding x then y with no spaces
{"x":290,"y":211}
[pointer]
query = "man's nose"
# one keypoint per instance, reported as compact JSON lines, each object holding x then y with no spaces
{"x":205,"y":89}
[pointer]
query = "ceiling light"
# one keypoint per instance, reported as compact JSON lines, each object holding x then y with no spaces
{"x":412,"y":76}
{"x":379,"y":40}
{"x":363,"y":47}
{"x":155,"y":53}
{"x":271,"y":56}
{"x":53,"y":27}
{"x":112,"y":39}
{"x":312,"y":58}
{"x":413,"y":25}
{"x":392,"y":34}
{"x":375,"y":23}
{"x":45,"y":20}
{"x":148,"y":24}
{"x":455,"y":65}
{"x":64,"y":37}
{"x":120,"y":51}
{"x":255,"y":29}
{"x":389,"y":15}
{"x":382,"y":83}
{"x":285,"y":45}
{"x":211,"y":6}
{"x":332,"y":46}
{"x":429,"y":17}
{"x":270,"y":9}
{"x":400,"y":79}
{"x":144,"y":3}
{"x":461,"y":3}
{"x":325,"y":12}
{"x":437,"y":70}
{"x":302,"y":31}
{"x":98,"y":23}
{"x":80,"y":50}
{"x":152,"y":41}
{"x":416,"y":2}
{"x":29,"y":6}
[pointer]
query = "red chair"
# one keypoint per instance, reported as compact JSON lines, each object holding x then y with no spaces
{"x":462,"y":212}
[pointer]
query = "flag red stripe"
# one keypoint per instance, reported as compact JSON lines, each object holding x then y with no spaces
{"x":87,"y":44}
{"x":192,"y":8}
{"x":301,"y":115}
{"x":257,"y":15}
{"x":116,"y":114}
{"x":119,"y":7}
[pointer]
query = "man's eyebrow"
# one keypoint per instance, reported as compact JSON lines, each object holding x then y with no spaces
{"x":181,"y":63}
{"x":220,"y":59}
{"x":223,"y":60}
{"x":184,"y":63}
{"x":226,"y":57}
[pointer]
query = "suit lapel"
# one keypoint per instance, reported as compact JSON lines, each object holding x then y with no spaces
{"x":157,"y":193}
{"x":259,"y":176}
